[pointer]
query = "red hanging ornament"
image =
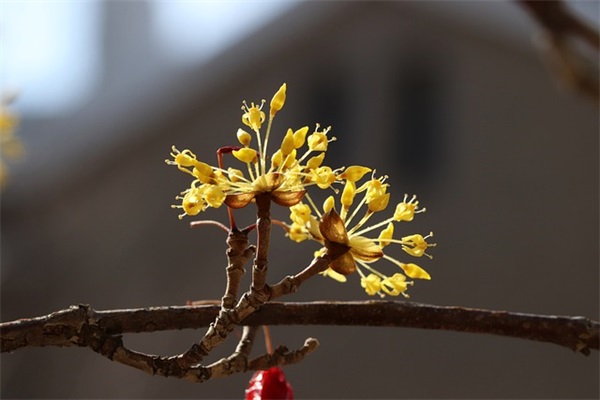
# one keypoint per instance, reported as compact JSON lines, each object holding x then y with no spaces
{"x":269,"y":385}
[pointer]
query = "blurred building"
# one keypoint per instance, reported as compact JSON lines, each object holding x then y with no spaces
{"x":449,"y":99}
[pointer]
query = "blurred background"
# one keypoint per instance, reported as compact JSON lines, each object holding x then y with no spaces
{"x":450,"y":99}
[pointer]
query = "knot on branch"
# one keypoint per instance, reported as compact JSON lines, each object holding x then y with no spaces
{"x":198,"y":374}
{"x":287,"y":285}
{"x":253,"y":299}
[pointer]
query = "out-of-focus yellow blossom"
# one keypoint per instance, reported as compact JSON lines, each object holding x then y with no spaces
{"x":347,"y":241}
{"x":294,"y":166}
{"x":11,"y":147}
{"x":394,"y":285}
{"x":371,"y":283}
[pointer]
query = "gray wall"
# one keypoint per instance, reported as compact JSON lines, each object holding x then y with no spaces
{"x":506,"y":165}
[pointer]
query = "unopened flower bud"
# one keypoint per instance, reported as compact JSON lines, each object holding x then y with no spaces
{"x":244,"y":137}
{"x":278,"y":100}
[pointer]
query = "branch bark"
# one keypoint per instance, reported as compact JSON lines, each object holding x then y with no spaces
{"x":82,"y":326}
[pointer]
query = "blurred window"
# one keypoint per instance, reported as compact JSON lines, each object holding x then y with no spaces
{"x":192,"y":32}
{"x":50,"y":53}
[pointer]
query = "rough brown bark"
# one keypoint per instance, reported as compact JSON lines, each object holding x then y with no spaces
{"x":80,"y":325}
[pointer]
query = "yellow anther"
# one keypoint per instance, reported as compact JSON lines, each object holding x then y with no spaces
{"x":246,"y":155}
{"x":278,"y":100}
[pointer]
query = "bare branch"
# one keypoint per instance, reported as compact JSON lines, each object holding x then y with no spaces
{"x":80,"y":325}
{"x":238,"y":361}
{"x":570,"y":65}
{"x":238,"y":254}
{"x":282,"y":356}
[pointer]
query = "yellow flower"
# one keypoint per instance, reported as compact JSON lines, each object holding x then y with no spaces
{"x":291,"y":169}
{"x":394,"y":285}
{"x":347,"y":243}
{"x":297,"y":233}
{"x":253,"y":116}
{"x":405,"y":211}
{"x":415,"y":245}
{"x":10,"y":146}
{"x":371,"y":283}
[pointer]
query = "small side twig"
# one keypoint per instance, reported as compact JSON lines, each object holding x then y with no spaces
{"x":282,"y":356}
{"x":238,"y":361}
{"x":559,"y":26}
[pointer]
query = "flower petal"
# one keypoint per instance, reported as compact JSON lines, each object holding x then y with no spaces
{"x":332,"y":228}
{"x":415,"y":272}
{"x":354,"y":173}
{"x":239,"y":200}
{"x":365,"y":249}
{"x":287,"y":199}
{"x":344,"y":264}
{"x":245,"y":154}
{"x":334,"y":275}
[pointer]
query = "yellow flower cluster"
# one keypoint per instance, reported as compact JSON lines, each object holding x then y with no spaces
{"x":10,"y":146}
{"x":335,"y":233}
{"x":284,"y":175}
{"x":285,"y":179}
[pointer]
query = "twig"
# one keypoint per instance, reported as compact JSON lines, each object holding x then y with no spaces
{"x":238,"y":361}
{"x":555,"y":17}
{"x":77,"y":325}
{"x":282,"y":356}
{"x":263,"y":223}
{"x":558,"y":26}
{"x":238,"y":254}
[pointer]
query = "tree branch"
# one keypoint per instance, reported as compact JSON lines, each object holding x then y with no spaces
{"x":559,"y":25}
{"x":82,"y":326}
